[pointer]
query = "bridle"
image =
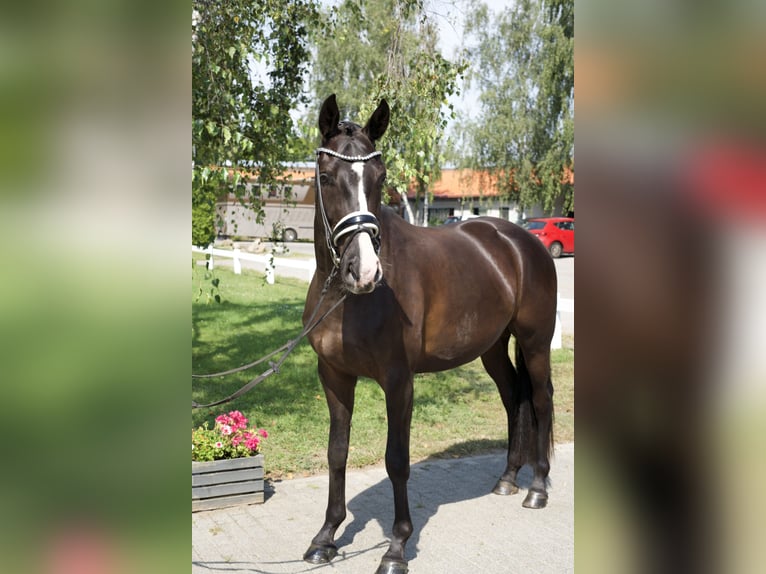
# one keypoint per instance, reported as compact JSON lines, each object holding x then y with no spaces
{"x":355,"y":222}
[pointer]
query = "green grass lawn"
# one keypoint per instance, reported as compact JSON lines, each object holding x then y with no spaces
{"x":455,"y":413}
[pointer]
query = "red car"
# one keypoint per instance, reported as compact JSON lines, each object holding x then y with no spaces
{"x":556,"y":233}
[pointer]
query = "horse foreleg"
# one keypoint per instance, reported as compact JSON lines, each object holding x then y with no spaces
{"x":399,"y":410}
{"x":339,"y":391}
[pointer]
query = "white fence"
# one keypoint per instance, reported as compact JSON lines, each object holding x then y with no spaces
{"x":271,"y":265}
{"x":563,"y":306}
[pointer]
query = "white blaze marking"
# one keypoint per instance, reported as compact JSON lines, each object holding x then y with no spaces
{"x":368,"y":261}
{"x":358,"y":169}
{"x":369,"y":265}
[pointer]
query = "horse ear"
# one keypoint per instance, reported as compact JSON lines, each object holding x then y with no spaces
{"x":329,"y":116}
{"x":378,"y":122}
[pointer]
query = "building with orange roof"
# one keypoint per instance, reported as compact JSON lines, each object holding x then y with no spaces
{"x":457,"y":192}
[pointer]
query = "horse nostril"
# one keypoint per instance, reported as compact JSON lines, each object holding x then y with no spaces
{"x":352,"y":269}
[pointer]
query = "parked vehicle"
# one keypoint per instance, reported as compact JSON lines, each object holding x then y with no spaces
{"x":556,"y":233}
{"x":283,"y":219}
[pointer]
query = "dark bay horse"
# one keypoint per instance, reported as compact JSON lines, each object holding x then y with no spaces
{"x":420,"y":300}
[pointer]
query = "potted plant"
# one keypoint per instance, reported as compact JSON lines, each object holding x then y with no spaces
{"x":227,"y":467}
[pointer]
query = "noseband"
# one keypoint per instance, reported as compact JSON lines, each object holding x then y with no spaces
{"x":353,"y":223}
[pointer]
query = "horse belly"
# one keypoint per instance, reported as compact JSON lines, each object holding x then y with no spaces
{"x":459,"y":341}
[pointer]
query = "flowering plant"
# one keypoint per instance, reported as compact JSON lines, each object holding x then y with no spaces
{"x":230,"y":438}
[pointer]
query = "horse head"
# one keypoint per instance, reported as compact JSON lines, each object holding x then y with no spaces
{"x":350,"y":177}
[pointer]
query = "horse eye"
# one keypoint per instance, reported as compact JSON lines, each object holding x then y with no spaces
{"x":324,"y":178}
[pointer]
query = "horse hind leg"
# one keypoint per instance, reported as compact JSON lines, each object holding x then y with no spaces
{"x":498,"y":365}
{"x":533,"y":365}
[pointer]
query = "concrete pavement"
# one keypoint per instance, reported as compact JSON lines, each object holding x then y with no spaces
{"x":459,"y":525}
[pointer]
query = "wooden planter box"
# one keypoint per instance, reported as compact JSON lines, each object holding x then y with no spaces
{"x":223,"y":483}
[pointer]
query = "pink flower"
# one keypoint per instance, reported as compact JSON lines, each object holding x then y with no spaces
{"x":238,"y":420}
{"x":252,"y":442}
{"x":226,"y":430}
{"x":219,"y":444}
{"x":236,"y":439}
{"x":263,"y":433}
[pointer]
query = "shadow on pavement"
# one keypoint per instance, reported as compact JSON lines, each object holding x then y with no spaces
{"x":432,"y":484}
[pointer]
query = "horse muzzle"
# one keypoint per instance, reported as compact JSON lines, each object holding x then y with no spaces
{"x":360,"y":267}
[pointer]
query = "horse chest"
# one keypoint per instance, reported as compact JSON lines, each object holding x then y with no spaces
{"x":365,"y":343}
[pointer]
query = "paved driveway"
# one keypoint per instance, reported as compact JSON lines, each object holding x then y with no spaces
{"x":460,"y":527}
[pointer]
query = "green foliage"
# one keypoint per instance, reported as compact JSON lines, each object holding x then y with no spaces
{"x":378,"y":49}
{"x":203,"y":213}
{"x":248,"y":65}
{"x":352,"y":47}
{"x":525,"y":70}
{"x":210,"y":290}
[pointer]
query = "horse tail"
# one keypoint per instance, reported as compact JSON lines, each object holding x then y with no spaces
{"x":526,"y":417}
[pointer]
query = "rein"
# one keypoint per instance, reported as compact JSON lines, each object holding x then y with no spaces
{"x":287,"y":348}
{"x":353,"y":223}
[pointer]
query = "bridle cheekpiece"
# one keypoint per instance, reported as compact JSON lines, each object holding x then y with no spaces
{"x":353,"y":223}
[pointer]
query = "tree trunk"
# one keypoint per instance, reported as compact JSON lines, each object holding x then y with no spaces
{"x":407,"y":207}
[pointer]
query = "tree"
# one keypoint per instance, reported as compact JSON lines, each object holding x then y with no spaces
{"x":524,"y":134}
{"x":248,"y":65}
{"x":387,"y":49}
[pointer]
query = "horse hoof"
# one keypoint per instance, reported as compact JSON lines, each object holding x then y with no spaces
{"x":505,"y":487}
{"x":320,"y":554}
{"x":392,"y":567}
{"x":535,"y":499}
